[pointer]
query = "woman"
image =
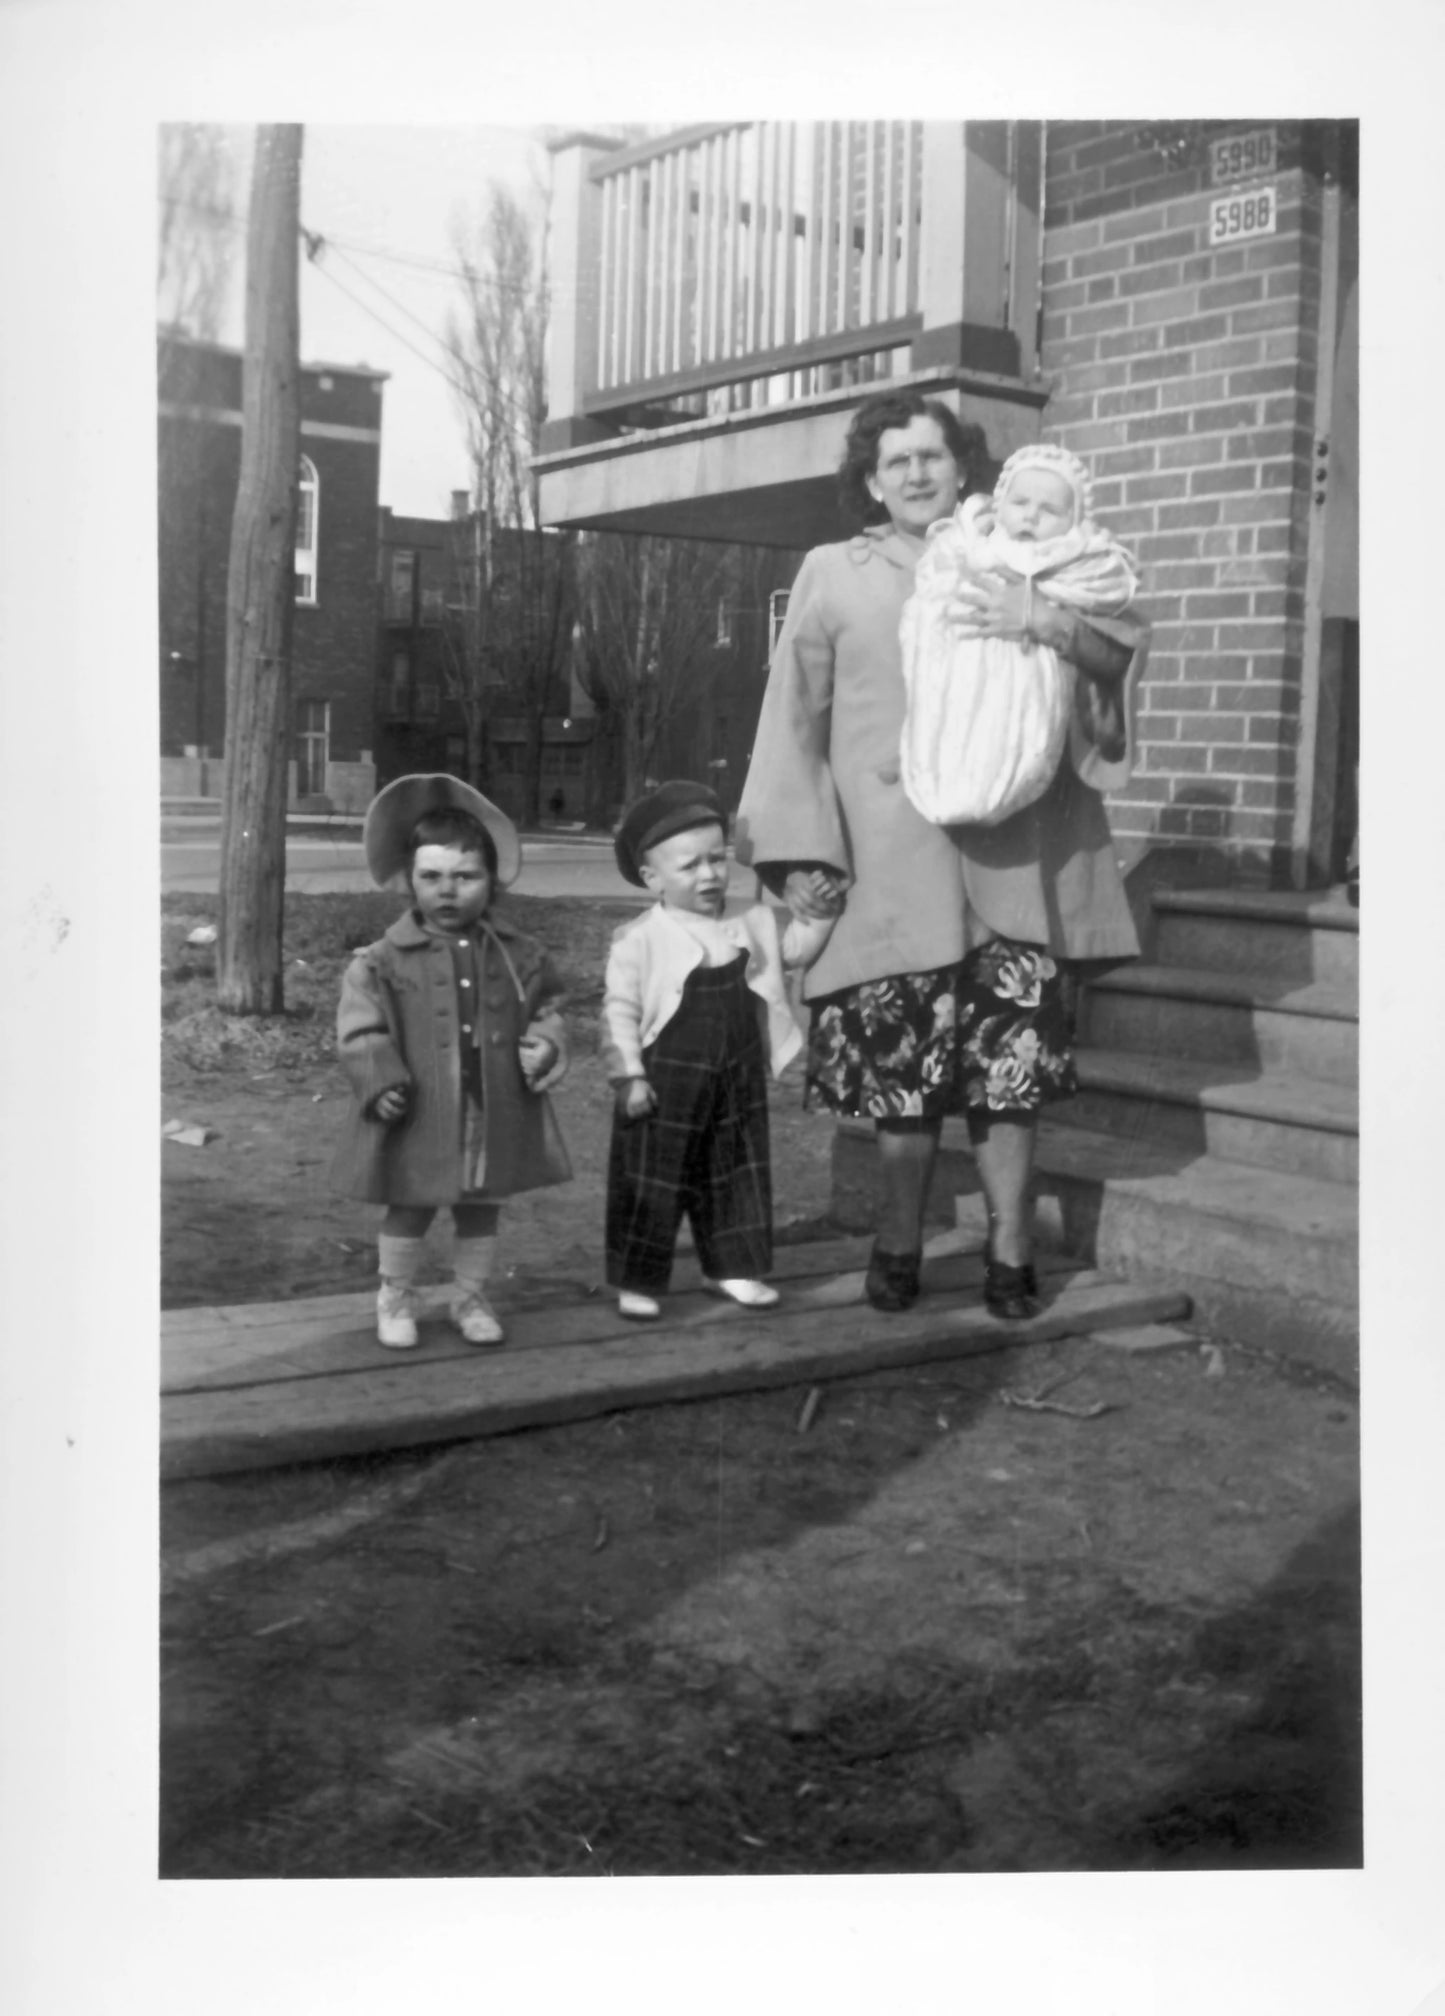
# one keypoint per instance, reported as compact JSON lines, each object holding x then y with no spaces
{"x":943,"y":987}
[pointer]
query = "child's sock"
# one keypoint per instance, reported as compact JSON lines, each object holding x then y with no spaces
{"x":476,"y":1319}
{"x":397,"y":1261}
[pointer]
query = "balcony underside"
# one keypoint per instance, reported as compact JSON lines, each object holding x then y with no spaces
{"x":765,"y":477}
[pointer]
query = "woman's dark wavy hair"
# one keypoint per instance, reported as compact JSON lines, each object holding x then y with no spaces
{"x":874,"y":417}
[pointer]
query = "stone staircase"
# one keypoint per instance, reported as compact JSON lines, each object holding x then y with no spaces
{"x":1214,"y":1140}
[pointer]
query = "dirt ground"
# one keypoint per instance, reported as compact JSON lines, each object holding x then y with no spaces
{"x":931,"y":1633}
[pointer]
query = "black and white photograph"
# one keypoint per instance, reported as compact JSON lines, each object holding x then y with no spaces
{"x":735,"y":1133}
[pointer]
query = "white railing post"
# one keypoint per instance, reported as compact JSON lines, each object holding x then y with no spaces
{"x":576,"y":275}
{"x":973,"y":232}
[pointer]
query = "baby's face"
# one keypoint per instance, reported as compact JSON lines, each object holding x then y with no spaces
{"x":1036,"y":505}
{"x":689,"y":871}
{"x":450,"y":886}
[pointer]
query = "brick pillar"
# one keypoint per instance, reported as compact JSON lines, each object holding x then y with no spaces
{"x":1184,"y":375}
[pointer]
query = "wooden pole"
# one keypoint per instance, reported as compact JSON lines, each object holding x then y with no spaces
{"x":260,"y":594}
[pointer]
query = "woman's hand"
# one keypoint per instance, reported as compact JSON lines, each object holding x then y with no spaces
{"x":813,"y":894}
{"x":987,"y":605}
{"x":635,"y":1099}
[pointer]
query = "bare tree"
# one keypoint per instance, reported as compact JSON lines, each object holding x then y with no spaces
{"x":517,"y":627}
{"x":260,"y":592}
{"x":648,"y":616}
{"x":196,"y":234}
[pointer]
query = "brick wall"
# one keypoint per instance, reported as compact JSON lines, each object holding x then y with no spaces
{"x":333,"y":644}
{"x":1184,"y":376}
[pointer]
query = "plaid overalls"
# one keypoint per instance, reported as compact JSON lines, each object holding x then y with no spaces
{"x":705,"y":1149}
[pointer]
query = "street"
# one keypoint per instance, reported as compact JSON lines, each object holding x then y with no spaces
{"x":563,"y":867}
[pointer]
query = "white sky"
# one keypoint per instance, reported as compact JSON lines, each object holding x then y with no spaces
{"x":401,"y":191}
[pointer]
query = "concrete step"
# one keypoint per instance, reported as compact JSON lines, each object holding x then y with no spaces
{"x":1310,"y":1030}
{"x":1303,"y":1126}
{"x":1268,"y":1258}
{"x":1286,"y":937}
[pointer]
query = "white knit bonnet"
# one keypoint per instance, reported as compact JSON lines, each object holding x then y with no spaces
{"x":1058,"y":462}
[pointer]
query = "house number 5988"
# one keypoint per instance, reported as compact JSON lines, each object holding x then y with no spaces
{"x":1251,"y":214}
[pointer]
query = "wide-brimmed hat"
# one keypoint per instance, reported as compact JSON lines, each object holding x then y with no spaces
{"x":394,"y":812}
{"x":674,"y":807}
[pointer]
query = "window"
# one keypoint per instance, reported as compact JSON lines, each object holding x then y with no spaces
{"x":398,"y":691}
{"x":308,"y":504}
{"x":400,"y":587}
{"x":428,"y":700}
{"x":777,"y":610}
{"x":313,"y":747}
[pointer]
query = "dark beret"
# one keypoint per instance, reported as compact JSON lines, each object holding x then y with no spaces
{"x":674,"y":807}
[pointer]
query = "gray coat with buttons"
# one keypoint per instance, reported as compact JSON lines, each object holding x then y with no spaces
{"x":824,"y":786}
{"x":398,"y":1025}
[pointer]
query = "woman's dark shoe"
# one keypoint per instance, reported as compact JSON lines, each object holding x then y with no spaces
{"x":1011,"y":1292}
{"x":891,"y":1282}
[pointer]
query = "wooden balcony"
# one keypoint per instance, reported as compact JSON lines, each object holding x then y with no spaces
{"x":724,"y":296}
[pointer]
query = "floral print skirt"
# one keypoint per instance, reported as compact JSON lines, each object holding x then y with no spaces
{"x":992,"y":1035}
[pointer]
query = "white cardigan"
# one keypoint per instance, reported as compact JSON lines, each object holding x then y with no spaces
{"x":652,"y":956}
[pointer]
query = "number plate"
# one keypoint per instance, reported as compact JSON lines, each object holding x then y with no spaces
{"x":1243,"y":157}
{"x":1252,"y":213}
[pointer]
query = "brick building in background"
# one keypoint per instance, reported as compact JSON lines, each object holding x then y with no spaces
{"x":334,"y":634}
{"x":1212,"y":389}
{"x":1176,"y":302}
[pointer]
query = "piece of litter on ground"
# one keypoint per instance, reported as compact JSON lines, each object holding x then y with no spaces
{"x":284,"y":1624}
{"x":599,"y":1538}
{"x":942,"y":1420}
{"x":1037,"y":1406}
{"x":204,"y":934}
{"x":188,"y":1133}
{"x":916,"y":1547}
{"x":1145,"y":1337}
{"x":808,"y":1412}
{"x":999,"y":1476}
{"x":1213,"y":1362}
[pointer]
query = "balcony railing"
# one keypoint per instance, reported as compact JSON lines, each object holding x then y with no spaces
{"x":744,"y":263}
{"x":739,"y":251}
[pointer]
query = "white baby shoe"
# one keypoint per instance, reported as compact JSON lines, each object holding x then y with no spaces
{"x":475,"y":1317}
{"x":641,"y":1308}
{"x":396,"y":1313}
{"x":750,"y":1294}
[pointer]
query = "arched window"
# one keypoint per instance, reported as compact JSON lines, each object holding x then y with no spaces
{"x":308,"y":505}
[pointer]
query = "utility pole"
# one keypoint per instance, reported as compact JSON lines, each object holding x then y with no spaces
{"x":260,"y":594}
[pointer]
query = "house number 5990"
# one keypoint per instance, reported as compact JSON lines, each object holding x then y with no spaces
{"x":1250,"y":214}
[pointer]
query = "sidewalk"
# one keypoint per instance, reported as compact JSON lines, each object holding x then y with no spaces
{"x":259,"y":1385}
{"x":202,"y":813}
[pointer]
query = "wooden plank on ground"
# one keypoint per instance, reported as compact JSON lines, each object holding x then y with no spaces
{"x":342,"y":1342}
{"x":391,"y":1406}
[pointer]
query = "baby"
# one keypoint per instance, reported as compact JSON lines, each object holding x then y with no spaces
{"x":450,"y":1032}
{"x":987,"y":718}
{"x":695,"y":1008}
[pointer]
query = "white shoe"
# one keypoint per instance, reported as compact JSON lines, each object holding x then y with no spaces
{"x":749,"y":1294}
{"x":396,"y":1312}
{"x":641,"y":1308}
{"x":475,"y":1317}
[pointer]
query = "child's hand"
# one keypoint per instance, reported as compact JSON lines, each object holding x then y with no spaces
{"x":391,"y":1105}
{"x":813,"y":894}
{"x":826,"y":891}
{"x":635,"y":1099}
{"x":537,"y":1055}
